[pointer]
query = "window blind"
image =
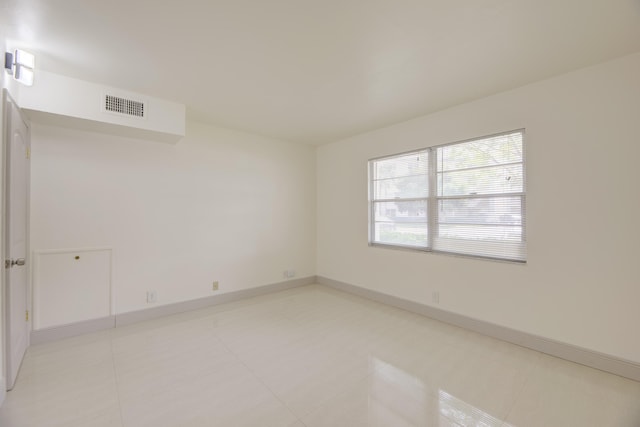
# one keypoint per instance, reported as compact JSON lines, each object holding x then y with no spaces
{"x":464,"y":198}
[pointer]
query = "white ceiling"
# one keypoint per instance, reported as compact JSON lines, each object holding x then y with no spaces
{"x":314,"y":71}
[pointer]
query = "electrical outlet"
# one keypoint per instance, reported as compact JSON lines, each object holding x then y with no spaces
{"x":214,"y":287}
{"x":152,"y":296}
{"x":288,"y":274}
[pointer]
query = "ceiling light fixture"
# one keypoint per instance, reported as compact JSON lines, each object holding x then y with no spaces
{"x":20,"y":64}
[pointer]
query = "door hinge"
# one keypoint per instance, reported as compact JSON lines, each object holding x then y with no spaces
{"x":28,"y":152}
{"x":26,"y":316}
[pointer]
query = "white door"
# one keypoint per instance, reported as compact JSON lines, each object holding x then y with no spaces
{"x":16,"y":167}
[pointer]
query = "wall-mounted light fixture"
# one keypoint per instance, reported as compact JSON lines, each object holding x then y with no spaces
{"x":20,"y":65}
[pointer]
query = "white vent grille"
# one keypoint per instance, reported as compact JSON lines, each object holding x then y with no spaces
{"x":125,"y":106}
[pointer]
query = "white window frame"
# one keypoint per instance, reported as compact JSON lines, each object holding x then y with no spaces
{"x":433,"y":199}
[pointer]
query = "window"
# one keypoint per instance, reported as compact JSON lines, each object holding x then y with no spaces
{"x":464,"y":198}
{"x":400,"y":198}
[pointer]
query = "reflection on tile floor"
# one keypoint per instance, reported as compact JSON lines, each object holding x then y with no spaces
{"x":307,"y":357}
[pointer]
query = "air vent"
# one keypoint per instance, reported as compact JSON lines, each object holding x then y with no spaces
{"x":124,"y":106}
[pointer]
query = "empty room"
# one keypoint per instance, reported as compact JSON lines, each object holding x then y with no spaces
{"x":303,"y":213}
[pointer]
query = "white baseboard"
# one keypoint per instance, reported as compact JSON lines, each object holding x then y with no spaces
{"x":593,"y":359}
{"x":180,"y":307}
{"x":66,"y":331}
{"x":56,"y":333}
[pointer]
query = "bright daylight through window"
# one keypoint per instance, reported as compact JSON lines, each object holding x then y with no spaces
{"x":465,"y":198}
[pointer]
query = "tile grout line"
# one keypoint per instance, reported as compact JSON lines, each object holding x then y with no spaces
{"x":224,"y":344}
{"x":533,"y":369}
{"x":115,"y":376}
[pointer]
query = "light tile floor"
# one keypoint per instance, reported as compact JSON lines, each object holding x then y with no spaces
{"x":307,"y":357}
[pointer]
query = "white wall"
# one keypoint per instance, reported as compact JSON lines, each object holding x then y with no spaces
{"x":219,"y":205}
{"x":581,"y":284}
